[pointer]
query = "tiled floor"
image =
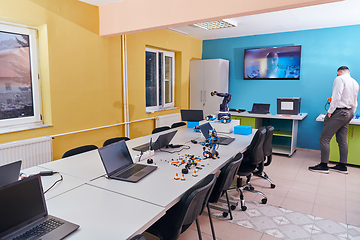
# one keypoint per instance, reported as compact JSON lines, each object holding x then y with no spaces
{"x":304,"y":205}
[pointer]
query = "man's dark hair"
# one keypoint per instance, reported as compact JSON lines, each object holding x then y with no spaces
{"x":342,"y":68}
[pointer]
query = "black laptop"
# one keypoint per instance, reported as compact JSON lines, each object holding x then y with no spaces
{"x":162,"y":141}
{"x":119,"y":164}
{"x":10,"y":173}
{"x":23,"y":213}
{"x":204,"y":128}
{"x":260,"y":108}
{"x":191,"y":115}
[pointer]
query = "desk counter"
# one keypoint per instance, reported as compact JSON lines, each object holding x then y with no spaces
{"x":255,"y":120}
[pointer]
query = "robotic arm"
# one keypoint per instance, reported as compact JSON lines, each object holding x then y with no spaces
{"x":226,"y":100}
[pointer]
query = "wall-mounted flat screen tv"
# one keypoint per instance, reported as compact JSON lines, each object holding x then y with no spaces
{"x":272,"y":63}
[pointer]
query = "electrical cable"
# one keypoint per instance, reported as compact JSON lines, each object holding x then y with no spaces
{"x":184,"y":147}
{"x":57,"y":181}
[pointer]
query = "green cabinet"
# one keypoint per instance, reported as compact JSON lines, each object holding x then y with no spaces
{"x":247,"y":121}
{"x":353,"y":139}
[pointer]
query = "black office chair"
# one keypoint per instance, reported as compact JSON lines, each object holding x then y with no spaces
{"x":138,"y":237}
{"x":160,"y":129}
{"x":253,"y":156}
{"x":114,"y":140}
{"x":177,"y":124}
{"x":267,"y":156}
{"x":79,"y":150}
{"x":223,"y":183}
{"x":179,"y":218}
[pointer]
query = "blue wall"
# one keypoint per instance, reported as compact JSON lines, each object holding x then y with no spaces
{"x":323,"y":51}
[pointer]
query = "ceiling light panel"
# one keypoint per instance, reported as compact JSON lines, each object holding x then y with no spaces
{"x":215,"y":25}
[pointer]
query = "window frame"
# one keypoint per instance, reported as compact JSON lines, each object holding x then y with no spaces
{"x":164,"y":105}
{"x":35,"y":76}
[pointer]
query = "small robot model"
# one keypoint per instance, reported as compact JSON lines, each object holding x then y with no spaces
{"x":225,"y":119}
{"x":210,"y":145}
{"x":210,"y":118}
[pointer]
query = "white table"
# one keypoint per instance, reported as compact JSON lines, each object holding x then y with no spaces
{"x":288,"y":150}
{"x":86,"y":166}
{"x":103,"y":214}
{"x":159,"y":187}
{"x":112,"y":209}
{"x":68,"y":183}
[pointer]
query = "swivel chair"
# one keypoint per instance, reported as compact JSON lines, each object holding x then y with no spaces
{"x":223,"y":183}
{"x":177,"y":124}
{"x":79,"y":150}
{"x":179,"y":218}
{"x":267,"y":156}
{"x":114,"y":140}
{"x":160,"y":129}
{"x":253,"y":156}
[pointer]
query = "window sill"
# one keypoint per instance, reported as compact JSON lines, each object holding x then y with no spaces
{"x":161,"y":109}
{"x":23,"y":127}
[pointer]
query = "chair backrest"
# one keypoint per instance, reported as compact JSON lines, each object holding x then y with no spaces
{"x":268,"y":141}
{"x":256,"y":147}
{"x":160,"y":129}
{"x":226,"y":177}
{"x":79,"y":150}
{"x":177,"y":124}
{"x":138,"y":237}
{"x":114,"y":140}
{"x":191,"y":205}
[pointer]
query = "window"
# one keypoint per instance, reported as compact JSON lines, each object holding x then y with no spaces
{"x":19,"y":76}
{"x":159,"y":79}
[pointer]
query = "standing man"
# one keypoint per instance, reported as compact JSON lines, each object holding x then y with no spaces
{"x":341,"y":111}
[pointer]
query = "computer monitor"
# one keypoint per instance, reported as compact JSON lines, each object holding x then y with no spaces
{"x":192,"y":115}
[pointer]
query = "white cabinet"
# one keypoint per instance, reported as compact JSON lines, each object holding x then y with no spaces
{"x":207,"y":76}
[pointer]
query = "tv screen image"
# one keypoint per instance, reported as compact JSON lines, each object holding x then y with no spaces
{"x":272,"y":63}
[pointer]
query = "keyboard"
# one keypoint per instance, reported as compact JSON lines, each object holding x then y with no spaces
{"x":41,"y":229}
{"x":131,"y":171}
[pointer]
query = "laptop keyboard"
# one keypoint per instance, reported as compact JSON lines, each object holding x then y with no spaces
{"x":41,"y":229}
{"x":131,"y":171}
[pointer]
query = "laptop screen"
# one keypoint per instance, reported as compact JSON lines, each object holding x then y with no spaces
{"x":163,"y":140}
{"x":115,"y":156}
{"x":9,"y":173}
{"x":261,"y":108}
{"x":21,"y":202}
{"x":205,"y":128}
{"x":192,"y":115}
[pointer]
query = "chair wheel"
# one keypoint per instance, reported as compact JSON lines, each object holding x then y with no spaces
{"x":243,"y":208}
{"x":273,"y":185}
{"x":264,"y":200}
{"x":225,"y":214}
{"x":232,"y":207}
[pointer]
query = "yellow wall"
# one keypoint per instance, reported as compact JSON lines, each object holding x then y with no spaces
{"x":185,"y":48}
{"x":81,"y":72}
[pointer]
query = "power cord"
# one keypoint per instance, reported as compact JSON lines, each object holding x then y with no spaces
{"x":50,"y":173}
{"x":184,"y":147}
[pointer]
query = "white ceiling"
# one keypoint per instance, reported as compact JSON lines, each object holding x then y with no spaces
{"x":321,"y":16}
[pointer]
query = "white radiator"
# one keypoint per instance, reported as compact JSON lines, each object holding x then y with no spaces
{"x":32,"y":151}
{"x":167,"y":120}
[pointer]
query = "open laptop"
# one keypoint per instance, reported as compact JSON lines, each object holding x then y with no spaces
{"x":10,"y":173}
{"x":119,"y":164}
{"x":204,"y":128}
{"x":260,"y":108}
{"x":191,"y":115}
{"x":162,"y":141}
{"x":23,"y":212}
